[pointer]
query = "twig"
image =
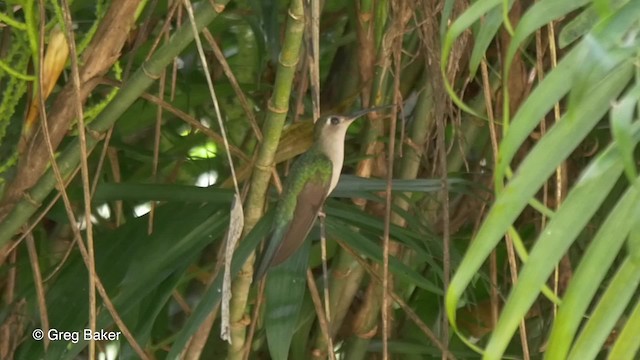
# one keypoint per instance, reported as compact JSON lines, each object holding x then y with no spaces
{"x":184,"y":117}
{"x":406,"y":308}
{"x":37,"y":280}
{"x":75,"y":228}
{"x":244,"y":103}
{"x":237,"y":213}
{"x":322,"y":317}
{"x":84,"y":169}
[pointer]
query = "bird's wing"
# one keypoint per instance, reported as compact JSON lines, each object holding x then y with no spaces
{"x":307,"y":207}
{"x":285,"y":240}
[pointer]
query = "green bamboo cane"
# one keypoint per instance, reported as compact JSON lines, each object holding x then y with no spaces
{"x":137,"y":84}
{"x":272,"y":129}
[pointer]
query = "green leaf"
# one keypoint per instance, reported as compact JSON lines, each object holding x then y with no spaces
{"x":211,"y":297}
{"x":485,"y":34}
{"x":590,"y":273}
{"x":581,"y":24}
{"x":132,"y":266}
{"x":627,"y":344}
{"x":366,"y":247}
{"x":559,"y":142}
{"x":603,"y":319}
{"x":351,"y":186}
{"x":557,"y":83}
{"x":284,"y":295}
{"x":161,"y":192}
{"x":541,"y":13}
{"x":580,"y":205}
{"x":621,"y":120}
{"x":477,"y":10}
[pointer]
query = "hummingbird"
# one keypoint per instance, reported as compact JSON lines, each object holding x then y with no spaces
{"x":312,"y":178}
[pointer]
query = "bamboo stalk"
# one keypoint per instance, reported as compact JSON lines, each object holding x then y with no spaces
{"x":271,"y":130}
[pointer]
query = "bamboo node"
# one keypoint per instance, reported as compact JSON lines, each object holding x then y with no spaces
{"x":149,"y":74}
{"x":318,"y":354}
{"x":242,"y":323}
{"x":218,"y":8}
{"x":338,"y":274}
{"x":276,"y":110}
{"x":365,"y":17}
{"x":96,"y":135}
{"x":266,"y":168}
{"x":369,"y":334}
{"x":30,"y":200}
{"x":294,"y":16}
{"x":293,"y":64}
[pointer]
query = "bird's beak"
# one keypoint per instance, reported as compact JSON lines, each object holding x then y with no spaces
{"x":357,"y":114}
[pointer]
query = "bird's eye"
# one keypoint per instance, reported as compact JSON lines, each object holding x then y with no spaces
{"x":334,"y":120}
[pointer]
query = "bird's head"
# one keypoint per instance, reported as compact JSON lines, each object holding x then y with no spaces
{"x":332,"y":126}
{"x":335,"y":126}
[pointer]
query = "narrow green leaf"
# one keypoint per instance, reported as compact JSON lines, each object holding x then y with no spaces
{"x":606,"y":314}
{"x":447,"y":10}
{"x":284,"y":294}
{"x":161,"y":192}
{"x":477,"y":10}
{"x":356,"y":217}
{"x":559,"y":142}
{"x":306,"y":320}
{"x":555,"y":85}
{"x":132,"y":265}
{"x":633,"y":243}
{"x":540,"y":14}
{"x":366,"y":247}
{"x":581,"y":24}
{"x":580,"y":205}
{"x":590,"y":273}
{"x":544,"y":158}
{"x":627,"y":344}
{"x":350,"y":185}
{"x":211,"y":296}
{"x":486,"y":34}
{"x":622,"y":115}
